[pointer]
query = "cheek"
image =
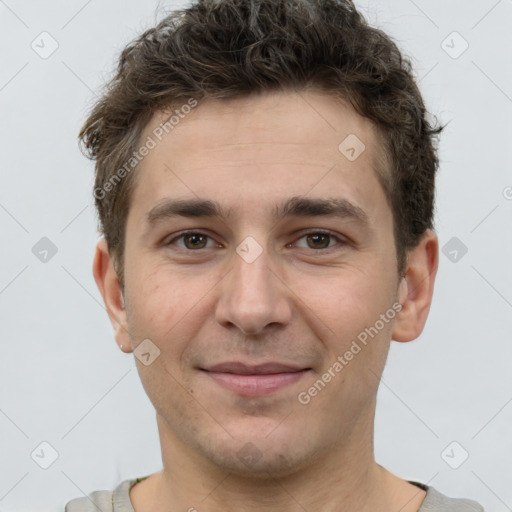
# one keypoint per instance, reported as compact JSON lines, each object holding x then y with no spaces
{"x":343,"y":309}
{"x":162,"y":304}
{"x":156,"y":295}
{"x":342,"y":298}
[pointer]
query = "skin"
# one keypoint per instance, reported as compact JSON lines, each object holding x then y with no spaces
{"x":297,"y":303}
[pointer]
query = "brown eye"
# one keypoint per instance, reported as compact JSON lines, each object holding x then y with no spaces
{"x":318,"y":240}
{"x":195,"y":240}
{"x":192,"y":240}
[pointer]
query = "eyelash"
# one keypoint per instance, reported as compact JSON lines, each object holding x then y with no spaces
{"x":312,"y":232}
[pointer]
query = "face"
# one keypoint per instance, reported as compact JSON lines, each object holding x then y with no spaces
{"x":258,"y":299}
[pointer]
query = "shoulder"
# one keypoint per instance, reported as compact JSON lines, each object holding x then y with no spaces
{"x":436,"y":501}
{"x":96,"y":500}
{"x":106,"y":500}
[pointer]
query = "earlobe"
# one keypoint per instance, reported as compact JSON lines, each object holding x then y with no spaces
{"x":110,"y":288}
{"x":416,"y":288}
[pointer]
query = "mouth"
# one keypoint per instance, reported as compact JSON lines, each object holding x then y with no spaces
{"x":254,"y":380}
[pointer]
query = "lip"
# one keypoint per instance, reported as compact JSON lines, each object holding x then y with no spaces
{"x":254,"y":380}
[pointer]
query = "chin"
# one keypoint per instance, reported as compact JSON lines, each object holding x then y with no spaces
{"x":257,"y":457}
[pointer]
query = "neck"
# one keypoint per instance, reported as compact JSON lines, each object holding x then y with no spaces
{"x":343,"y":479}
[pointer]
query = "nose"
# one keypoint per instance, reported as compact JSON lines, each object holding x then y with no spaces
{"x":253,"y":296}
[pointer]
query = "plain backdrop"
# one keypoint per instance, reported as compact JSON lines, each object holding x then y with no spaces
{"x":72,"y":401}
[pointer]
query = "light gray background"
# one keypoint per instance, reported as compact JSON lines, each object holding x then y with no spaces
{"x":65,"y":382}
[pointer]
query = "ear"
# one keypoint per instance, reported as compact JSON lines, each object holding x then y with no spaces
{"x":416,"y":288}
{"x":110,"y":289}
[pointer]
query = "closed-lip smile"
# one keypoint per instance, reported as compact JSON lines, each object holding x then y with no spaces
{"x":254,"y":379}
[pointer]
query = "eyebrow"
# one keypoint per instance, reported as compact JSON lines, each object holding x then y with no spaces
{"x":297,"y":206}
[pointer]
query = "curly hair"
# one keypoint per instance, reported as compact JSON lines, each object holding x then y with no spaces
{"x":232,"y":48}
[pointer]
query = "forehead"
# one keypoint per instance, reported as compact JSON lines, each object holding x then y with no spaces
{"x":285,"y":117}
{"x":262,"y":146}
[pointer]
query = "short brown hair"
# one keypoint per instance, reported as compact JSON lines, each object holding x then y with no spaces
{"x":230,"y":48}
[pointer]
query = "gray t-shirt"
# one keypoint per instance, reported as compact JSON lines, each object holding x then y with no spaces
{"x":119,"y":500}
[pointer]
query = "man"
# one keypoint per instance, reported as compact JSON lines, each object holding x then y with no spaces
{"x":265,"y":186}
